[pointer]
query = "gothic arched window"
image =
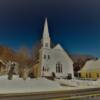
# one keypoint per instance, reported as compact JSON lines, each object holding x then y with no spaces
{"x":43,"y":68}
{"x":59,"y":67}
{"x":56,"y":68}
{"x":48,"y":56}
{"x":44,"y":56}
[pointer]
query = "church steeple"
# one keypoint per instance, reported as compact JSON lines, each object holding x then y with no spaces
{"x":46,"y":37}
{"x":46,"y":30}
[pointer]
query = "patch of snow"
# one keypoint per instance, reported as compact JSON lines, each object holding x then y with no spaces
{"x":18,"y":85}
{"x":78,"y":83}
{"x":65,"y":82}
{"x":5,"y":77}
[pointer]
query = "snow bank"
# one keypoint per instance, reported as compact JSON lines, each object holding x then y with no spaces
{"x":69,"y":83}
{"x":18,"y":85}
{"x":5,"y":77}
{"x":77,"y":83}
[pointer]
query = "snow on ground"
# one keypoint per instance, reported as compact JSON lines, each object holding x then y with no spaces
{"x":5,"y":77}
{"x":18,"y":85}
{"x":78,"y":83}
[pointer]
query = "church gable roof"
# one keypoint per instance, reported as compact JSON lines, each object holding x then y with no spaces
{"x":58,"y":47}
{"x":66,"y":55}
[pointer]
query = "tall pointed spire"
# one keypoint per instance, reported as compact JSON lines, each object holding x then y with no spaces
{"x":46,"y":37}
{"x":46,"y":30}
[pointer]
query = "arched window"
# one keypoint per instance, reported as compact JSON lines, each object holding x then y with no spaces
{"x":56,"y":67}
{"x":59,"y":67}
{"x":43,"y":68}
{"x":44,"y":56}
{"x":48,"y":56}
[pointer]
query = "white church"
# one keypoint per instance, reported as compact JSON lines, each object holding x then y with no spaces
{"x":54,"y":60}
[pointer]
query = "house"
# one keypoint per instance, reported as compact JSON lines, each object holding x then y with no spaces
{"x":53,"y":61}
{"x":3,"y":68}
{"x":90,"y":70}
{"x":13,"y":64}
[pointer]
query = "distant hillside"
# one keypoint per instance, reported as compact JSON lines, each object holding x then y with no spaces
{"x":80,"y":60}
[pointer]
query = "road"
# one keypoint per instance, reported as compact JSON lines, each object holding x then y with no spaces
{"x":84,"y":94}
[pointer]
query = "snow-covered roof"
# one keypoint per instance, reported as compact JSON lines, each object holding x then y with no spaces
{"x":58,"y":46}
{"x":92,"y":65}
{"x":2,"y":61}
{"x":66,"y":55}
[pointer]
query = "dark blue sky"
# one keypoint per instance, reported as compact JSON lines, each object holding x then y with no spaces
{"x":73,"y":23}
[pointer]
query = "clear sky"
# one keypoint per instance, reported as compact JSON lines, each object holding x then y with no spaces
{"x":73,"y":23}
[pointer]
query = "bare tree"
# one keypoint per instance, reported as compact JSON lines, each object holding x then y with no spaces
{"x":23,"y":57}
